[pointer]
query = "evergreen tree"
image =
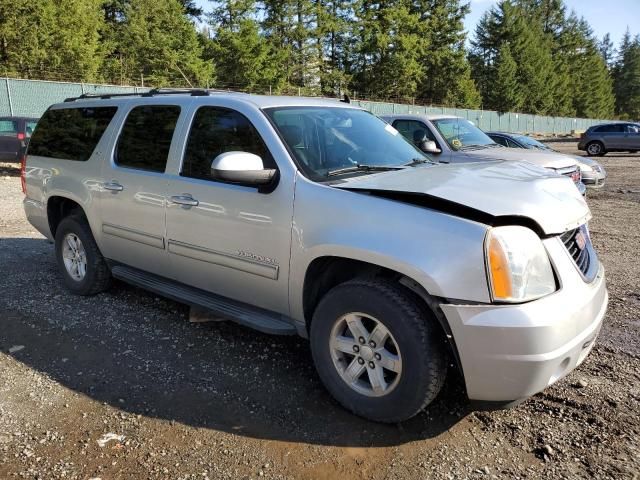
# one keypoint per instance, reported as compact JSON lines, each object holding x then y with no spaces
{"x":333,"y":23}
{"x":389,"y":49}
{"x":161,"y":44}
{"x":240,"y":53}
{"x":627,"y":78}
{"x":51,"y":39}
{"x":447,"y":76}
{"x":506,"y":94}
{"x":607,"y":50}
{"x":529,"y":47}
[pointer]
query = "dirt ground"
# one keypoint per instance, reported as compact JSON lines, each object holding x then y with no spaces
{"x":216,"y":400}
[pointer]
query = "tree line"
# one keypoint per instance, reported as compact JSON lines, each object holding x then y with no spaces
{"x":532,"y":56}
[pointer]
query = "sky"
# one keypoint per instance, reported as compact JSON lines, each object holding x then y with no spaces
{"x":604,"y":16}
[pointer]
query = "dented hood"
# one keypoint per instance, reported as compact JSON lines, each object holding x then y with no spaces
{"x":492,"y":190}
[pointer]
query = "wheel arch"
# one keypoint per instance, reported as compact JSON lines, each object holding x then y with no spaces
{"x":59,"y":207}
{"x":326,"y":272}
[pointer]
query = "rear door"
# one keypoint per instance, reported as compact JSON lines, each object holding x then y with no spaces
{"x":134,"y":188}
{"x":612,"y":136}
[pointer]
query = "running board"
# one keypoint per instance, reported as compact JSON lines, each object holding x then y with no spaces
{"x":247,"y":315}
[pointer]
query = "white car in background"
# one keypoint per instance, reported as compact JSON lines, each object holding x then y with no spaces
{"x":451,"y":139}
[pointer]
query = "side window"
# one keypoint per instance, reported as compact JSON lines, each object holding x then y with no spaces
{"x":632,"y":129}
{"x":146,"y":137}
{"x":218,"y":130}
{"x":70,"y":133}
{"x":512,"y":144}
{"x":501,"y":140}
{"x":610,"y":129}
{"x":30,"y":127}
{"x":413,"y":130}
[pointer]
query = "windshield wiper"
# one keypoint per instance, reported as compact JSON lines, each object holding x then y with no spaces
{"x":363,"y":168}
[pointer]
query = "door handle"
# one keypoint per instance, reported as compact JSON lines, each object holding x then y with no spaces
{"x":113,"y":186}
{"x":186,"y":200}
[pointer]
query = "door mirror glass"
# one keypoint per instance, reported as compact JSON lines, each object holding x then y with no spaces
{"x":429,"y":146}
{"x":241,"y":167}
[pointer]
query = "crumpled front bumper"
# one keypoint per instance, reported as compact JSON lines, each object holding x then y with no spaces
{"x":510,"y":352}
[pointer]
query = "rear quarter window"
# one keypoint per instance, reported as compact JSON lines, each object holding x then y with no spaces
{"x":70,"y":133}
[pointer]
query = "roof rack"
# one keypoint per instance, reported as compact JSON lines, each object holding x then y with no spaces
{"x":194,"y":92}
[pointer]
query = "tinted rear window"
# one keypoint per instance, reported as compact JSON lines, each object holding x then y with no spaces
{"x":70,"y":133}
{"x":8,"y":127}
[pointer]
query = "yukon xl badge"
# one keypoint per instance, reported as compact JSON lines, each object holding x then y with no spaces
{"x":257,"y":258}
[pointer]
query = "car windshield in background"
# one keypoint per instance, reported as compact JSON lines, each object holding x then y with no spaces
{"x":461,"y":134}
{"x":333,"y":140}
{"x":531,"y":142}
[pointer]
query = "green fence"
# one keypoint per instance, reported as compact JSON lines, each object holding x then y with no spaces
{"x":32,"y":97}
{"x":489,"y":120}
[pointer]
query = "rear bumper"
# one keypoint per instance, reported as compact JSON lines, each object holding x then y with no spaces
{"x":510,"y":352}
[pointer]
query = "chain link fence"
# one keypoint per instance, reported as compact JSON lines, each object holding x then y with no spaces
{"x":30,"y":98}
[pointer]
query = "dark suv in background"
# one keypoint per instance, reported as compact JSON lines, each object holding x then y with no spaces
{"x":15,"y":133}
{"x":611,"y":137}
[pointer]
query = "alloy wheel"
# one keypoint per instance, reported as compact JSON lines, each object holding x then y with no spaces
{"x":365,"y":354}
{"x":74,"y":257}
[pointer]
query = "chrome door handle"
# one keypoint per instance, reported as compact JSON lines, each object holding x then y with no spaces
{"x":113,"y":186}
{"x":187,"y":200}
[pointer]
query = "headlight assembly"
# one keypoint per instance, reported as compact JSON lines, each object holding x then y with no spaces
{"x":518,"y":266}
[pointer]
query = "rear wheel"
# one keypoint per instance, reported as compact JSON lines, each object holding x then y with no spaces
{"x":83,"y":268}
{"x":377,"y":351}
{"x":595,"y":149}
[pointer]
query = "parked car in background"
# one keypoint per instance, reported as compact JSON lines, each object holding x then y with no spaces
{"x":293,"y":215}
{"x":593,"y":174}
{"x":14,"y":136}
{"x":451,"y":139}
{"x":610,"y":137}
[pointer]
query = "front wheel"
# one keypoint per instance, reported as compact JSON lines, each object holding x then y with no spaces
{"x":377,"y":350}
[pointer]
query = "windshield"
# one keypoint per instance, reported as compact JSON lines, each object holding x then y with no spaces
{"x":325,"y":140}
{"x":531,"y":143}
{"x":460,"y":133}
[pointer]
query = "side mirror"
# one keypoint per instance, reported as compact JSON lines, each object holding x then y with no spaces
{"x":241,"y":167}
{"x":429,"y":146}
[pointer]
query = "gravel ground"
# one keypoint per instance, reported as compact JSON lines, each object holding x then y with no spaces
{"x":121,"y":385}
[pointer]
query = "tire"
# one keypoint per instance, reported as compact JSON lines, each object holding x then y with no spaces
{"x":595,"y":149}
{"x":97,"y":276}
{"x":412,"y":329}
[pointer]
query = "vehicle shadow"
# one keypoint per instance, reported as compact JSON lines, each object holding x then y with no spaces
{"x":139,"y":353}
{"x":9,"y":169}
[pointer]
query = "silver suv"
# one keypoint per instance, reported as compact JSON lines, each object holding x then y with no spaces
{"x":293,"y":215}
{"x":454,"y":139}
{"x":610,"y":137}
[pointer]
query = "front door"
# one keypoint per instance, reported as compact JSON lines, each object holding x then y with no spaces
{"x":134,"y":190}
{"x":229,"y":239}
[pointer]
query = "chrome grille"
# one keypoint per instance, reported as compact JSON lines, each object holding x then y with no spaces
{"x":577,"y":243}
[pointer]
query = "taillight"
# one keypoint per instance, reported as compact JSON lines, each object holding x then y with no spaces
{"x":21,"y":136}
{"x":23,"y":174}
